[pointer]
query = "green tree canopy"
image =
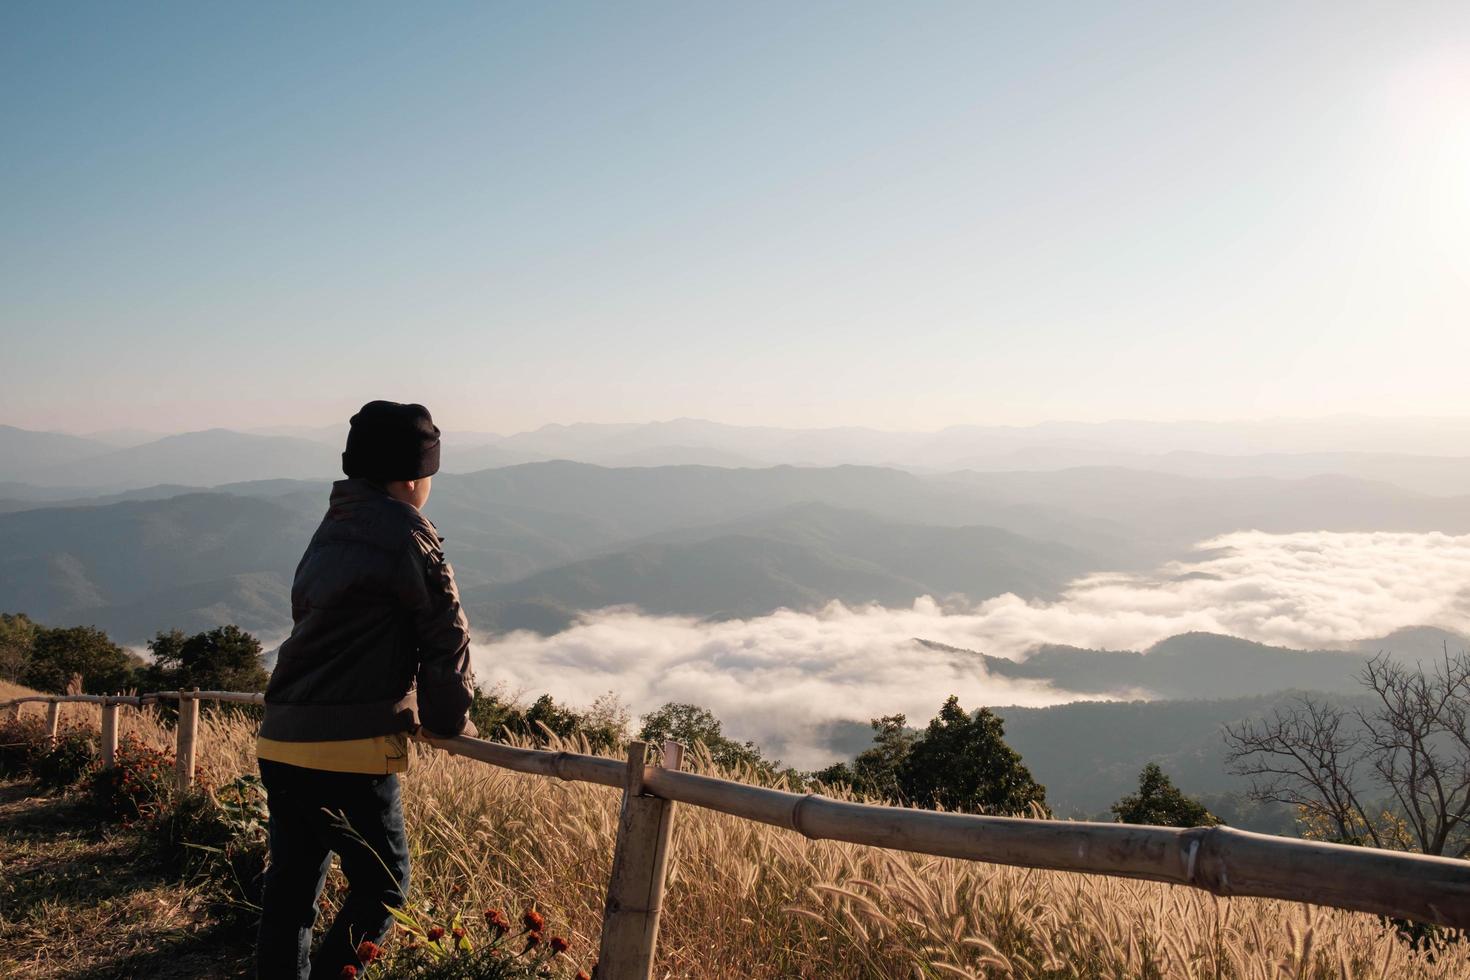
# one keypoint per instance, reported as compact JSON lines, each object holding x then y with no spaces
{"x":875,"y":770}
{"x":225,"y":658}
{"x":1159,"y":802}
{"x":17,"y":637}
{"x":603,"y":725}
{"x":962,"y":762}
{"x":689,"y":723}
{"x":57,"y":654}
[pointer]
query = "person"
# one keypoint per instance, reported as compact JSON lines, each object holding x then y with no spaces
{"x":379,"y":649}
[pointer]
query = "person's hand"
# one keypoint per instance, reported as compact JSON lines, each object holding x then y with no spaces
{"x":469,"y":729}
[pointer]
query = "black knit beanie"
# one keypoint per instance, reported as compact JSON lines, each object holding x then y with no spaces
{"x":389,"y":441}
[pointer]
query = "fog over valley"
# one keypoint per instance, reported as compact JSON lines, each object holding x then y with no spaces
{"x":781,"y":679}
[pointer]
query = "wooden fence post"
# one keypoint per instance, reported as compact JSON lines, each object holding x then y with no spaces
{"x":109,"y":734}
{"x":53,"y":721}
{"x":636,"y":890}
{"x":184,"y":749}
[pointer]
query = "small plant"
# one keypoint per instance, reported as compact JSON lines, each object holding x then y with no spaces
{"x":139,"y":783}
{"x":21,"y":740}
{"x":67,"y":760}
{"x":487,"y":948}
{"x":218,"y":839}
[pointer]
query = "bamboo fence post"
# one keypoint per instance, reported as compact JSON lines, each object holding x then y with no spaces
{"x":186,"y":731}
{"x":636,"y":889}
{"x":109,"y":734}
{"x":53,"y":721}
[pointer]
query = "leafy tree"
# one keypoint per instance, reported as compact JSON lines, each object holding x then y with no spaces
{"x":225,"y":658}
{"x":17,"y":637}
{"x":875,"y":770}
{"x":57,"y":654}
{"x":561,"y":720}
{"x":962,"y":762}
{"x":604,"y":725}
{"x":1158,"y":802}
{"x":689,"y":723}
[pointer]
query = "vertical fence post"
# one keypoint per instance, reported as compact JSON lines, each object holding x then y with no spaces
{"x":188,"y":726}
{"x":636,"y":890}
{"x":53,"y":721}
{"x":109,"y":734}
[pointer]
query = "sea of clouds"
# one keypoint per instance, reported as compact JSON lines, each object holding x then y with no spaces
{"x":782,"y":679}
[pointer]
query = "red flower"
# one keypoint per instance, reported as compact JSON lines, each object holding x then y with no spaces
{"x":559,"y":945}
{"x":532,"y":921}
{"x":458,"y":932}
{"x":436,"y":933}
{"x":495,"y":919}
{"x":533,"y":939}
{"x":348,"y":972}
{"x":582,"y":975}
{"x":368,"y":951}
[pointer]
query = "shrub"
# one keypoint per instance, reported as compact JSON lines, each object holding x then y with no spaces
{"x":219,"y":839}
{"x":67,"y":761}
{"x":452,"y":951}
{"x":604,"y":725}
{"x":21,"y":740}
{"x":140,"y":782}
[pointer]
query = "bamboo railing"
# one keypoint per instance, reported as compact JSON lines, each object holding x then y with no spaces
{"x":1220,"y":860}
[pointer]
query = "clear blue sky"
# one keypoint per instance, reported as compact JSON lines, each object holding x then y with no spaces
{"x":902,"y":215}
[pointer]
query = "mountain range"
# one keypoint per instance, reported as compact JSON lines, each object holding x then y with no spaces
{"x":535,"y":544}
{"x":1421,"y":455}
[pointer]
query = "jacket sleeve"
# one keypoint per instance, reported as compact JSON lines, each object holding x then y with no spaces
{"x":446,"y":681}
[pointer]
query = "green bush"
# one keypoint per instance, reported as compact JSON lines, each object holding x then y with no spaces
{"x":138,"y":785}
{"x":64,"y":763}
{"x":21,"y":740}
{"x":218,"y":839}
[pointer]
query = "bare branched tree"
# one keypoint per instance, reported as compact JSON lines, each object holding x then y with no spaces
{"x":1410,"y":745}
{"x":1420,"y":749}
{"x":1308,"y":755}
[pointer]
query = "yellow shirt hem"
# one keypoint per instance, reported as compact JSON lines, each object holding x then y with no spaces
{"x":378,"y":755}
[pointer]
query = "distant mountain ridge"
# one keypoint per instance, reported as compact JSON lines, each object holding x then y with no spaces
{"x":24,"y":452}
{"x":1423,"y":455}
{"x":1188,"y":665}
{"x":801,"y":556}
{"x":537,"y":543}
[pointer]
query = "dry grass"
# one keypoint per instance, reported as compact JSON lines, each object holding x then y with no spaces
{"x":747,"y":900}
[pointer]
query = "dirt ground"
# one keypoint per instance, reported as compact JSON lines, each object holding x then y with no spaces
{"x":79,"y":898}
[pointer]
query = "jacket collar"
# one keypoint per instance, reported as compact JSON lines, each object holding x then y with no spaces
{"x":355,"y":490}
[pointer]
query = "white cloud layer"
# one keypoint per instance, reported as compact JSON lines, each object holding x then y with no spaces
{"x":778,"y":678}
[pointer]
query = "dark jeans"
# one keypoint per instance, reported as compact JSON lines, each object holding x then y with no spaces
{"x":302,"y":838}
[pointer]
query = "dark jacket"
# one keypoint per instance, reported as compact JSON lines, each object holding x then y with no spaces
{"x":380,"y":643}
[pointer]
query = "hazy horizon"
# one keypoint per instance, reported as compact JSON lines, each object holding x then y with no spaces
{"x":323,"y":422}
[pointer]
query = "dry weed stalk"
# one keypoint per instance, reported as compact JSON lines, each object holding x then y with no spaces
{"x":748,"y":900}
